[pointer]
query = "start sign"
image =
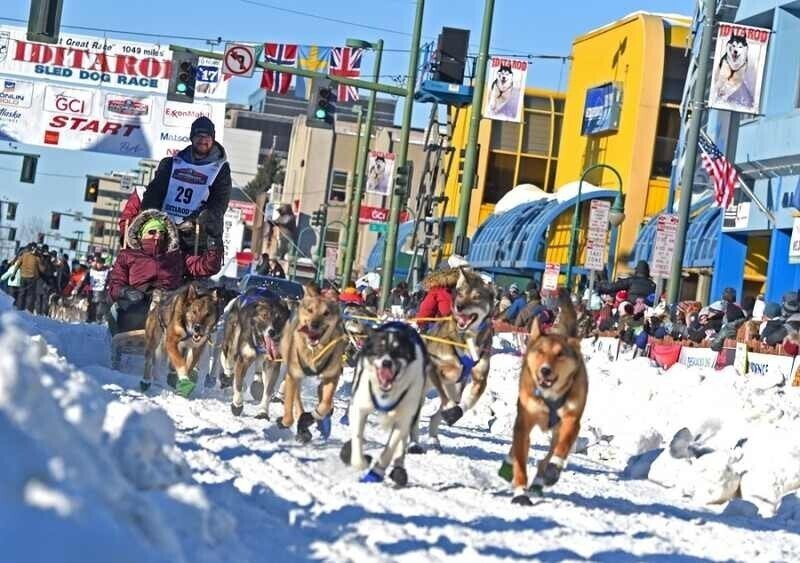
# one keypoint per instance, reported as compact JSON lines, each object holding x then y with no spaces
{"x":239,"y":60}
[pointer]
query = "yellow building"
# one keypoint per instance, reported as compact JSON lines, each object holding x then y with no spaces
{"x":640,"y":64}
{"x":510,"y":153}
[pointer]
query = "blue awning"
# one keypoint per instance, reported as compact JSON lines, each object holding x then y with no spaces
{"x":705,"y":222}
{"x":516,"y":240}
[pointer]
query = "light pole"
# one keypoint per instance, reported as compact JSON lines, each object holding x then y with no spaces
{"x":617,"y":213}
{"x":398,"y":196}
{"x":471,"y":152}
{"x":348,"y":217}
{"x":361,"y":162}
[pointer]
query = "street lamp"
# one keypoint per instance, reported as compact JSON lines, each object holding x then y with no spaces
{"x":363,"y":148}
{"x":616,"y":216}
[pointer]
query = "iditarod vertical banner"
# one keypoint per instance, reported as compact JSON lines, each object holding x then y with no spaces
{"x":505,"y":89}
{"x":739,"y":61}
{"x":380,"y":173}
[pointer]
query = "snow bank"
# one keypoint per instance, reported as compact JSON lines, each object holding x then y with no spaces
{"x":744,"y":428}
{"x":85,"y":474}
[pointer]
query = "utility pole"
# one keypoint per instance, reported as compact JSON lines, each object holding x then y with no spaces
{"x":398,"y":198}
{"x":358,"y":192}
{"x":690,"y":160}
{"x":460,"y":241}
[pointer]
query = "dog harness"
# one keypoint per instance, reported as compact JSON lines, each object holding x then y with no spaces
{"x":385,"y":408}
{"x":467,"y":361}
{"x":553,"y":417}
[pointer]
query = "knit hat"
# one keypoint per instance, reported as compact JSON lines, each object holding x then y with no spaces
{"x":513,"y":288}
{"x":154,"y":223}
{"x":202,"y":126}
{"x":772,"y":310}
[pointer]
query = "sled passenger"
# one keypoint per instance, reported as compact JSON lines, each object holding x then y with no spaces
{"x":153,"y":260}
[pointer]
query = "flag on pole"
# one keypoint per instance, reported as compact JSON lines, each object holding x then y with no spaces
{"x":346,"y":62}
{"x":721,"y":171}
{"x":279,"y":54}
{"x":315,"y":59}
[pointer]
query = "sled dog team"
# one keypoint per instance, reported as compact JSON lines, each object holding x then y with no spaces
{"x":394,"y":370}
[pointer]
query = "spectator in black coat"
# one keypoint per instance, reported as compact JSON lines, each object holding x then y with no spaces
{"x":640,"y":284}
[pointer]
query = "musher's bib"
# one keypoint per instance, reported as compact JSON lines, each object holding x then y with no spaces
{"x":188,"y":188}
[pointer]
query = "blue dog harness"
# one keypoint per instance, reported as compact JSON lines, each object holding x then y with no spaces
{"x":467,"y":361}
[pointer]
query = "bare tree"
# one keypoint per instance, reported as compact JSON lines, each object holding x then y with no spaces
{"x":30,"y":228}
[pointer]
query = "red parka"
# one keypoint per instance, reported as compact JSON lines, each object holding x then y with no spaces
{"x":166,"y":270}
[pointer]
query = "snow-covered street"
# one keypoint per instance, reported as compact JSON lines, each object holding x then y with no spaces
{"x":96,"y":471}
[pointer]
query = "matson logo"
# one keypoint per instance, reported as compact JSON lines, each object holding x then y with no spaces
{"x":68,"y":100}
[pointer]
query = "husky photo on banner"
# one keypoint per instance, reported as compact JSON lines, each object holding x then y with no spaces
{"x":738,"y":73}
{"x":505,"y":89}
{"x":379,"y":174}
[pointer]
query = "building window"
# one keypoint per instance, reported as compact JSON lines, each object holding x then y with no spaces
{"x":533,"y":170}
{"x":505,"y":135}
{"x":676,"y":67}
{"x":331,"y":237}
{"x":499,"y":177}
{"x":338,"y":190}
{"x":667,"y":132}
{"x":536,"y":139}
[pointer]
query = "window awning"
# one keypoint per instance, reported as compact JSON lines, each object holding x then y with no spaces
{"x":516,"y":239}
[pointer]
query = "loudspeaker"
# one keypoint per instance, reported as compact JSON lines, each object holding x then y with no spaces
{"x":451,"y":54}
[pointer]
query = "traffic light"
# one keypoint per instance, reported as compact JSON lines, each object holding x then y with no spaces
{"x":183,"y":77}
{"x":44,"y":21}
{"x":320,"y":104}
{"x":99,"y":229}
{"x":28,"y":173}
{"x":12,"y":234}
{"x":11,"y":210}
{"x":73,"y":244}
{"x":40,"y":238}
{"x":55,"y":221}
{"x":92,"y":189}
{"x":318,"y":217}
{"x":402,"y":178}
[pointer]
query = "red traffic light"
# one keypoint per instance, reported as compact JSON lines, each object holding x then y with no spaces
{"x":55,"y":221}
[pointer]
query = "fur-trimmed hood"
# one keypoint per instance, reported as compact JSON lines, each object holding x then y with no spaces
{"x":447,"y":278}
{"x":135,"y":239}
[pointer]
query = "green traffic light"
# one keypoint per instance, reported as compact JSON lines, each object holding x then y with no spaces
{"x":181,"y":88}
{"x":320,"y":113}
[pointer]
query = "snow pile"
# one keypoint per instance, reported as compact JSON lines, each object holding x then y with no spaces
{"x":712,"y":435}
{"x":80,"y":466}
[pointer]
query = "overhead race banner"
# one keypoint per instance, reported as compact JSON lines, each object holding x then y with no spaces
{"x":739,"y":61}
{"x":505,"y":89}
{"x":100,"y":94}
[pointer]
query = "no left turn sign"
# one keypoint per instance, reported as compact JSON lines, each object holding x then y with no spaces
{"x":239,"y":60}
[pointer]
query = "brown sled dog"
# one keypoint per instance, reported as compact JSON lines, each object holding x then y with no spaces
{"x":552,"y":395}
{"x":313,"y":344}
{"x":179,"y":323}
{"x":459,"y":348}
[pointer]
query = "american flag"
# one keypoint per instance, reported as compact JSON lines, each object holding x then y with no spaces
{"x":346,"y":62}
{"x":279,"y":54}
{"x":721,"y":171}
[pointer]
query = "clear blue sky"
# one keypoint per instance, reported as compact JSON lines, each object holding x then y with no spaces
{"x":520,"y":27}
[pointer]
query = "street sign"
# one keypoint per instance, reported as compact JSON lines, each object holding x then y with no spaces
{"x":595,"y":255}
{"x":125,"y":183}
{"x":550,"y":278}
{"x":239,"y":60}
{"x":378,"y":227}
{"x":597,"y":234}
{"x":664,"y":246}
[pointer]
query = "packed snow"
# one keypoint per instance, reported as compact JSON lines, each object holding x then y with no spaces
{"x":686,"y":464}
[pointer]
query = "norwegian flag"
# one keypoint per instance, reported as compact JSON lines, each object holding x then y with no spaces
{"x":721,"y":171}
{"x":279,"y":54}
{"x":346,"y":62}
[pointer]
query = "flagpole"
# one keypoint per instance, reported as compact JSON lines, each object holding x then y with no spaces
{"x":744,"y":186}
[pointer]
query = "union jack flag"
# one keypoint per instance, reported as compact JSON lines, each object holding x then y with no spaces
{"x":346,"y":62}
{"x":279,"y":54}
{"x":721,"y":171}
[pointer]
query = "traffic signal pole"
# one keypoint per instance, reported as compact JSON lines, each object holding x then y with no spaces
{"x":360,"y":176}
{"x":471,"y":152}
{"x":399,"y":197}
{"x":690,"y":159}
